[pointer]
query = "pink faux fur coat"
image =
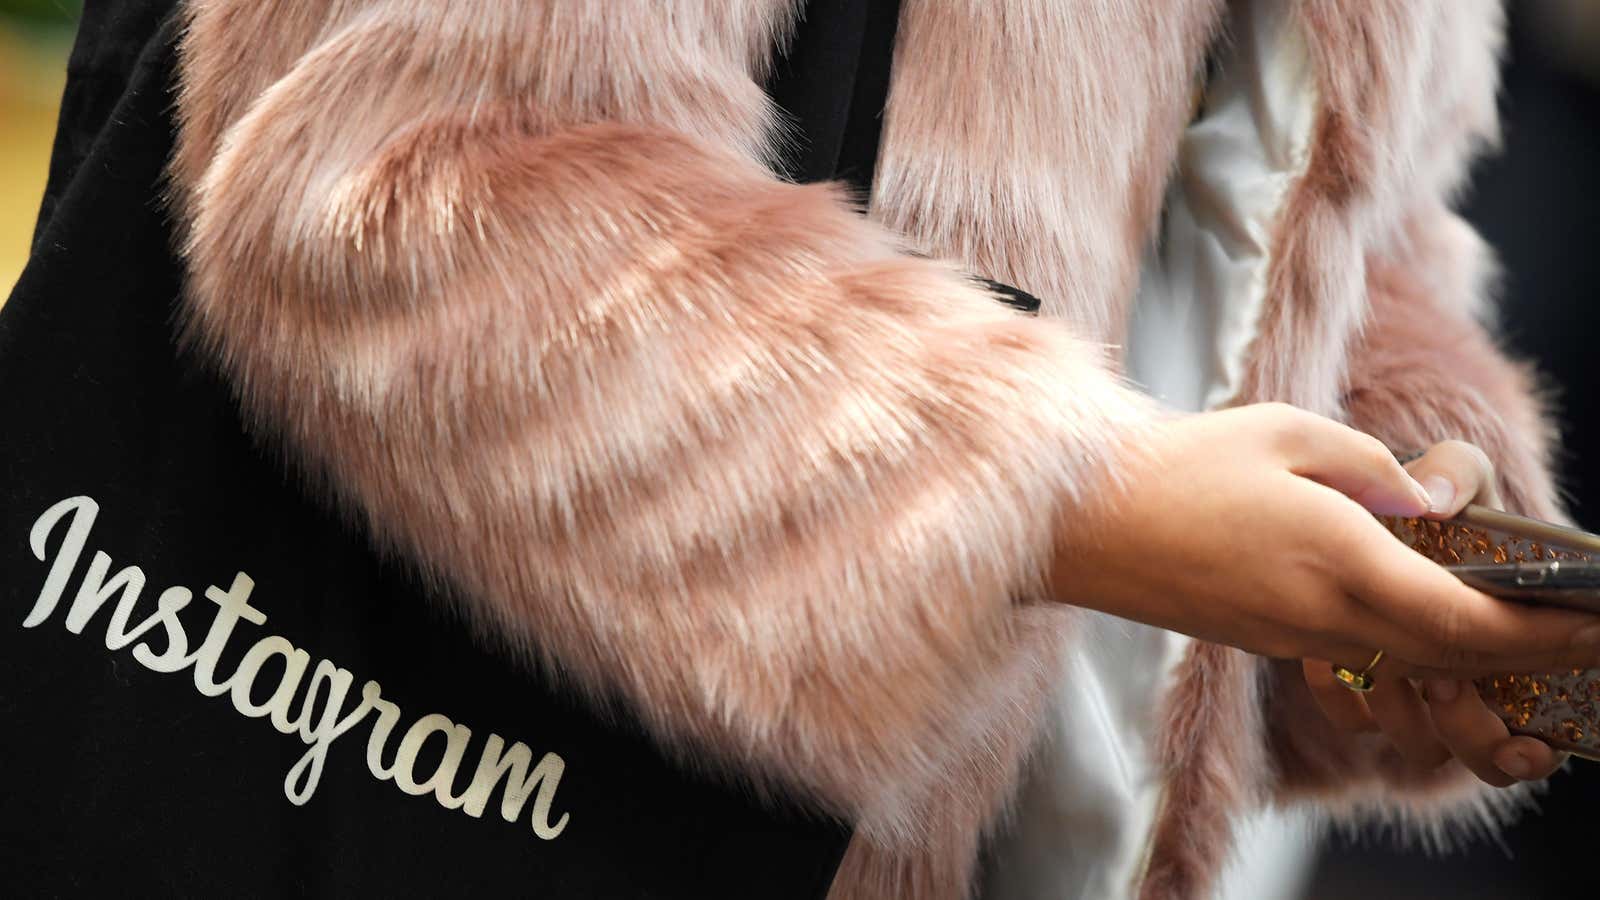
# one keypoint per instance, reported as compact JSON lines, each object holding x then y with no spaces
{"x":515,"y":281}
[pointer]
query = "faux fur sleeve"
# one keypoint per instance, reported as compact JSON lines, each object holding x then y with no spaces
{"x":702,"y":441}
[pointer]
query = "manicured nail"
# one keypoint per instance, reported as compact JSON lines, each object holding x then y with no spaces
{"x":1444,"y":690}
{"x":1514,"y":764}
{"x":1441,"y":493}
{"x":1422,"y":495}
{"x":1384,"y":501}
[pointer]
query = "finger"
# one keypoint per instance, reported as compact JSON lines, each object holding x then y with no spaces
{"x":1405,"y":720}
{"x":1352,"y":463}
{"x":1420,"y":612}
{"x":1342,"y":707}
{"x":1395,"y":664}
{"x":1397,"y":667}
{"x":1455,"y":473}
{"x":1527,"y":758}
{"x":1466,"y":726}
{"x":1491,"y":666}
{"x":1347,"y":652}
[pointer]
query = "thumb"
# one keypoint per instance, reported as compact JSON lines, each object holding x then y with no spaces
{"x":1456,"y":473}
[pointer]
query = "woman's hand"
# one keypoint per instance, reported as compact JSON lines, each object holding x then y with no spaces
{"x":1253,"y":527}
{"x":1447,"y":718}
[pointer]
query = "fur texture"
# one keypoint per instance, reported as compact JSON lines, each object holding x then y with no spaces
{"x":986,"y":160}
{"x":1370,"y":317}
{"x":702,"y":441}
{"x":1361,"y":780}
{"x":1216,"y":768}
{"x":1426,"y":370}
{"x":715,"y":446}
{"x":989,"y":158}
{"x":1407,"y":95}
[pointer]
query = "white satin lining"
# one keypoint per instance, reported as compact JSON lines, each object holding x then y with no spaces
{"x":1203,"y":288}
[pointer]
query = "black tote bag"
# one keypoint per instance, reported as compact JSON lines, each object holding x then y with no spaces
{"x":164,"y":745}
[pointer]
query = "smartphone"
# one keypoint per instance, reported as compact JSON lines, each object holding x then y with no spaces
{"x":1574,"y":584}
{"x":1528,"y":560}
{"x":1525,"y":561}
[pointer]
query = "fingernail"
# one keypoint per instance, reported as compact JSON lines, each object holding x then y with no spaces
{"x":1384,"y":501}
{"x":1422,"y":495}
{"x":1514,"y":764}
{"x":1443,"y":690}
{"x":1441,"y":493}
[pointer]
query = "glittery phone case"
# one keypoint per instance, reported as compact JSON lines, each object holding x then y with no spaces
{"x":1562,"y":708}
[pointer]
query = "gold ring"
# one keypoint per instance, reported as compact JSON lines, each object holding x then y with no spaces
{"x":1361,"y":681}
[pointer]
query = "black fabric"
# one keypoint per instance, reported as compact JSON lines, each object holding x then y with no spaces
{"x":1016,"y":298}
{"x":111,"y":35}
{"x":832,"y":83}
{"x":124,"y":780}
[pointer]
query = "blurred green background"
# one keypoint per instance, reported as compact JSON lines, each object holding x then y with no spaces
{"x":35,"y":36}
